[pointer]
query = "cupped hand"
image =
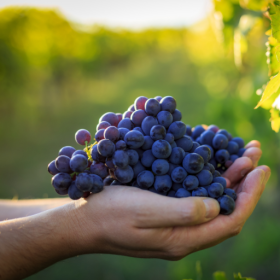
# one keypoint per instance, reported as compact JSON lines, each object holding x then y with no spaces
{"x":129,"y":221}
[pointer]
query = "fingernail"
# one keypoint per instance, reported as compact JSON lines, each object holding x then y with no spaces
{"x":212,"y":208}
{"x":245,"y":171}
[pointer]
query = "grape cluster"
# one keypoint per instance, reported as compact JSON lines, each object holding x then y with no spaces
{"x":150,"y":148}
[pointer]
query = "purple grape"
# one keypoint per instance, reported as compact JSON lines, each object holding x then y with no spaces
{"x":82,"y":136}
{"x":112,"y":133}
{"x":180,"y":193}
{"x":62,"y":164}
{"x":197,"y":131}
{"x":124,"y":175}
{"x":106,"y":148}
{"x":134,"y":139}
{"x":204,"y":177}
{"x":139,"y":103}
{"x":80,"y":152}
{"x":108,"y":181}
{"x":66,"y":151}
{"x":204,"y":152}
{"x":202,"y":192}
{"x":123,"y":131}
{"x":148,"y":123}
{"x":215,"y":190}
{"x":168,"y":103}
{"x":177,"y":115}
{"x":152,"y":107}
{"x":191,"y":183}
{"x":177,"y":155}
{"x":178,"y":175}
{"x":239,"y":141}
{"x":96,"y":156}
{"x":61,"y":181}
{"x":137,"y":117}
{"x":178,"y":129}
{"x":73,"y":192}
{"x":111,"y":118}
{"x":227,"y":204}
{"x":99,"y":135}
{"x":126,"y":123}
{"x":84,"y":182}
{"x":160,"y":166}
{"x":206,"y":137}
{"x":133,"y":157}
{"x":213,"y":128}
{"x":102,"y":125}
{"x":241,"y":152}
{"x":145,"y":179}
{"x":99,"y":168}
{"x":148,"y":158}
{"x":120,"y":159}
{"x":138,"y":168}
{"x":131,"y":108}
{"x":163,"y":183}
{"x":165,"y":118}
{"x":193,"y":163}
{"x":158,"y":132}
{"x":231,"y":193}
{"x":169,"y":138}
{"x":220,"y":141}
{"x":120,"y":145}
{"x":185,"y":143}
{"x":127,"y":114}
{"x":78,"y":163}
{"x":161,"y":149}
{"x":148,"y":143}
{"x":97,"y":183}
{"x":222,"y":156}
{"x":52,"y":169}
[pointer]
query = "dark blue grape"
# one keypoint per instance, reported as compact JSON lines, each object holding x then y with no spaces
{"x":158,"y":132}
{"x":197,"y":131}
{"x":213,"y":162}
{"x":168,"y":103}
{"x":211,"y":150}
{"x":139,"y":152}
{"x":177,"y":115}
{"x":227,"y":204}
{"x":97,"y":183}
{"x":171,"y":193}
{"x":148,"y":123}
{"x":169,"y":138}
{"x":102,"y":125}
{"x":120,"y":117}
{"x":220,"y":180}
{"x":185,"y":143}
{"x":210,"y":167}
{"x":145,"y":179}
{"x":152,"y":107}
{"x":215,"y":190}
{"x":78,"y":163}
{"x":176,"y":186}
{"x":163,"y":183}
{"x":153,"y":190}
{"x":233,"y":158}
{"x":139,"y":129}
{"x":112,"y":133}
{"x":188,"y":130}
{"x":158,"y":98}
{"x":160,"y":166}
{"x":216,"y":174}
{"x":204,"y":152}
{"x":182,"y":193}
{"x":134,"y":139}
{"x":111,"y":118}
{"x":230,"y":193}
{"x":96,"y":156}
{"x":99,"y":168}
{"x":138,"y":168}
{"x":191,"y":183}
{"x":84,"y":182}
{"x":241,"y":152}
{"x":220,"y":141}
{"x":82,"y":136}
{"x":177,"y":155}
{"x":239,"y":141}
{"x":126,"y":123}
{"x":108,"y":181}
{"x":224,"y":132}
{"x":161,"y":149}
{"x":173,"y":145}
{"x":127,"y":114}
{"x":121,"y":159}
{"x":178,"y":175}
{"x":202,"y":192}
{"x":165,"y":118}
{"x":178,"y":129}
{"x":52,"y":169}
{"x":62,"y":164}
{"x":137,"y":117}
{"x":99,"y":135}
{"x":133,"y":157}
{"x":139,"y":103}
{"x":66,"y":151}
{"x":73,"y":192}
{"x":222,"y":156}
{"x":106,"y":148}
{"x":123,"y":131}
{"x":193,"y":163}
{"x":80,"y":152}
{"x":120,"y":145}
{"x":195,"y":145}
{"x":61,"y":181}
{"x":198,"y":140}
{"x":148,"y":143}
{"x":232,"y":147}
{"x":148,"y":158}
{"x":110,"y":164}
{"x":171,"y":168}
{"x":206,"y":137}
{"x":60,"y":192}
{"x":213,"y":128}
{"x":204,"y":177}
{"x":124,"y":175}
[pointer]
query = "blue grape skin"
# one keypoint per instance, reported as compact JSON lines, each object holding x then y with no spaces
{"x":221,"y":181}
{"x":112,"y":133}
{"x":233,"y":158}
{"x":213,"y":162}
{"x":84,"y":182}
{"x":100,"y":169}
{"x":120,"y":145}
{"x":110,"y":117}
{"x":82,"y":136}
{"x":177,"y":155}
{"x":131,"y":108}
{"x":140,"y":152}
{"x":210,"y":167}
{"x":215,"y":190}
{"x":138,"y":168}
{"x":204,"y":152}
{"x":169,"y":138}
{"x":110,"y":164}
{"x":106,"y":148}
{"x":120,"y":159}
{"x":197,"y":131}
{"x":148,"y":158}
{"x":61,"y":192}
{"x":134,"y":139}
{"x":163,"y":183}
{"x":158,"y":98}
{"x":211,"y":150}
{"x":161,"y":149}
{"x":171,"y":193}
{"x":66,"y":151}
{"x":73,"y":192}
{"x":178,"y":175}
{"x":216,"y":174}
{"x":168,"y":103}
{"x":96,"y":156}
{"x":62,"y":164}
{"x":138,"y":129}
{"x":165,"y":118}
{"x":137,"y":117}
{"x":158,"y":132}
{"x":126,"y":123}
{"x":195,"y":145}
{"x":224,"y":132}
{"x":133,"y":157}
{"x":160,"y":166}
{"x":148,"y":123}
{"x":222,"y":156}
{"x":231,"y":193}
{"x":124,"y":175}
{"x":108,"y":181}
{"x":227,"y":205}
{"x":127,"y":114}
{"x":191,"y":183}
{"x":178,"y":129}
{"x":213,"y":128}
{"x":185,"y":143}
{"x":182,"y":193}
{"x":204,"y":177}
{"x":206,"y":137}
{"x":80,"y":152}
{"x":239,"y":141}
{"x":78,"y":163}
{"x":97,"y":183}
{"x":220,"y":141}
{"x":177,"y":115}
{"x":173,"y":145}
{"x":201,"y":192}
{"x":188,"y":130}
{"x":61,"y":181}
{"x":241,"y":152}
{"x":152,"y":107}
{"x":176,"y":186}
{"x":139,"y":103}
{"x":123,"y":131}
{"x":52,"y":169}
{"x":120,"y":117}
{"x":198,"y":140}
{"x":193,"y":163}
{"x":99,"y":135}
{"x":145,"y":179}
{"x":171,"y":168}
{"x":102,"y":125}
{"x":116,"y":183}
{"x":148,"y":143}
{"x":232,"y":147}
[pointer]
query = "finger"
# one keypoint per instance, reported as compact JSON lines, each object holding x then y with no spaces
{"x":161,"y":211}
{"x":254,"y":154}
{"x":238,"y":170}
{"x":253,"y":143}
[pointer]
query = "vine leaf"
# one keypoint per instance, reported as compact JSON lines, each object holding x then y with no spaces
{"x":274,"y":12}
{"x":272,"y":87}
{"x":275,"y":119}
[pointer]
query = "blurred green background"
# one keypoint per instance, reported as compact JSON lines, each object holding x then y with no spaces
{"x":57,"y":77}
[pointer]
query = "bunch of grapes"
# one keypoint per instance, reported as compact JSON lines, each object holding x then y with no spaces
{"x":150,"y":148}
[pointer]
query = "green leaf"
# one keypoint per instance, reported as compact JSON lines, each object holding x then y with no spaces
{"x":272,"y":87}
{"x":275,"y":119}
{"x":219,"y":275}
{"x":274,"y":12}
{"x":239,"y":277}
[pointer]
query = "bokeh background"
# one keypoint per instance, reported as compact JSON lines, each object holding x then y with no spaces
{"x":58,"y":75}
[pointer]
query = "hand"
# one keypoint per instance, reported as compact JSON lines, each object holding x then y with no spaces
{"x":132,"y":222}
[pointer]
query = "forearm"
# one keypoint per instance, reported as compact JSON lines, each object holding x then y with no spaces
{"x":12,"y":209}
{"x":30,"y":244}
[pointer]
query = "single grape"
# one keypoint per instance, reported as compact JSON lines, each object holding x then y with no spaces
{"x":52,"y":169}
{"x":95,"y":154}
{"x":198,"y":140}
{"x":232,"y":147}
{"x":220,"y":141}
{"x":182,"y":193}
{"x":158,"y":98}
{"x":102,"y":125}
{"x":127,"y":114}
{"x":195,"y":145}
{"x":108,"y":181}
{"x":139,"y":129}
{"x":241,"y":152}
{"x":210,"y":167}
{"x":233,"y":158}
{"x":61,"y":192}
{"x":222,"y":156}
{"x":161,"y":149}
{"x":111,"y":118}
{"x":188,"y":130}
{"x":206,"y":137}
{"x":160,"y":166}
{"x":148,"y":123}
{"x":137,"y":117}
{"x":227,"y":204}
{"x":197,"y":131}
{"x":221,"y":181}
{"x":165,"y":118}
{"x":211,"y":150}
{"x":82,"y":136}
{"x":204,"y":177}
{"x":78,"y":163}
{"x":169,"y":138}
{"x":148,"y":143}
{"x":204,"y":152}
{"x":193,"y":163}
{"x":178,"y":129}
{"x":213,"y":128}
{"x":215,"y":190}
{"x":106,"y":148}
{"x":99,"y":135}
{"x":80,"y":152}
{"x":158,"y":132}
{"x":133,"y":157}
{"x":139,"y":103}
{"x":120,"y":159}
{"x":110,"y":164}
{"x":185,"y":143}
{"x":120,"y":117}
{"x":124,"y":175}
{"x":163,"y":183}
{"x":138,"y":168}
{"x":61,"y":181}
{"x":178,"y":175}
{"x":168,"y":103}
{"x":62,"y":164}
{"x":123,"y":131}
{"x":126,"y":123}
{"x":131,"y":108}
{"x":100,"y":169}
{"x":152,"y":107}
{"x":177,"y":115}
{"x":224,"y":132}
{"x":134,"y":139}
{"x":177,"y":155}
{"x":230,"y":193}
{"x":84,"y":182}
{"x":239,"y":141}
{"x":216,"y":174}
{"x":120,"y":145}
{"x":145,"y":179}
{"x":191,"y":183}
{"x":202,"y":192}
{"x":66,"y":151}
{"x":97,"y":183}
{"x":112,"y":133}
{"x":73,"y":192}
{"x":148,"y":158}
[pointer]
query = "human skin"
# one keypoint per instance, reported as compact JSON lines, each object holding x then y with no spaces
{"x":132,"y":222}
